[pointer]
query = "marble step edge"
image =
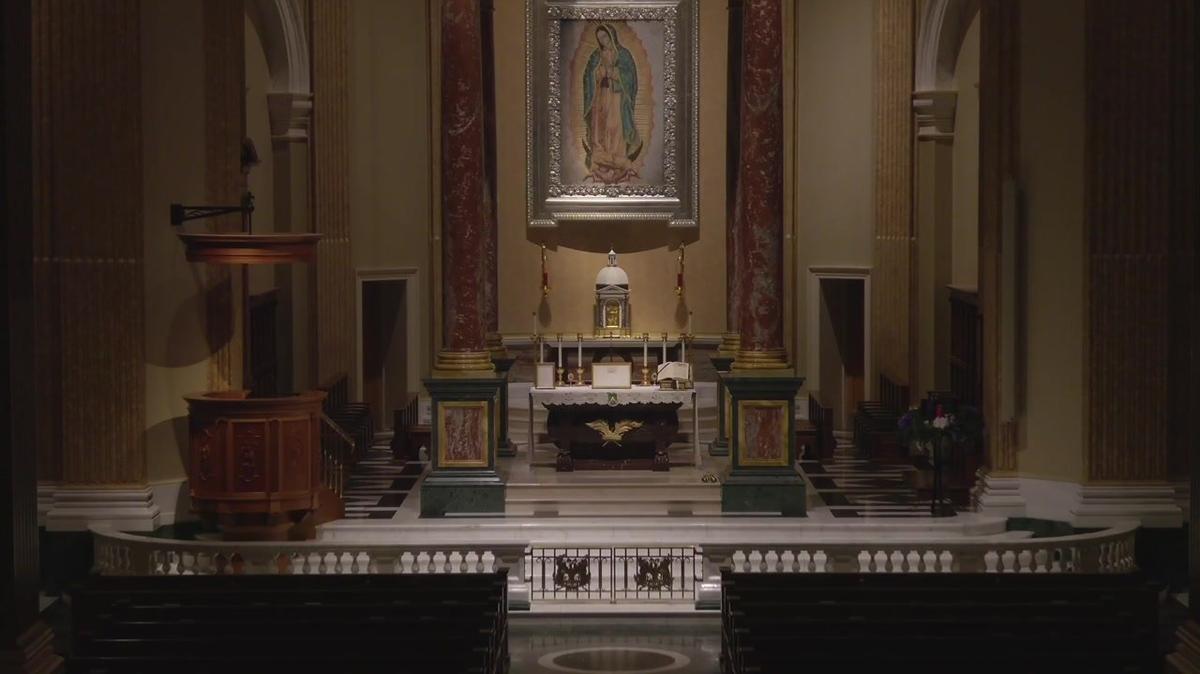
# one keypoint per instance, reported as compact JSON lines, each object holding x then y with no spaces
{"x":714,"y":498}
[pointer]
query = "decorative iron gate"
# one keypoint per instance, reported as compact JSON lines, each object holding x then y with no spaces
{"x":613,"y":574}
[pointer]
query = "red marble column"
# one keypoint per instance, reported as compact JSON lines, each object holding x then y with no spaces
{"x":465,"y":240}
{"x":758,"y":207}
{"x":491,"y":281}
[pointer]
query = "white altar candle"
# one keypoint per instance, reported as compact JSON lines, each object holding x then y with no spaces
{"x":645,"y":349}
{"x":560,"y":349}
{"x":541,"y":349}
{"x":683,"y":348}
{"x":664,"y":358}
{"x":579,"y":353}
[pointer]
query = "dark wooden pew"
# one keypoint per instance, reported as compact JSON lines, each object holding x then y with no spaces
{"x":406,"y":623}
{"x":940,"y":622}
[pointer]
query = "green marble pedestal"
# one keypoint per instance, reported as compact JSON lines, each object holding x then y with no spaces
{"x":762,"y":444}
{"x":463,"y":477}
{"x":720,"y":445}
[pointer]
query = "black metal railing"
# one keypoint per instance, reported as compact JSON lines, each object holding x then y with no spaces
{"x":613,"y":574}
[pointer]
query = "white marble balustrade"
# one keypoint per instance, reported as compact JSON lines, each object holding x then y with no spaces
{"x":1107,"y":551}
{"x":123,"y":554}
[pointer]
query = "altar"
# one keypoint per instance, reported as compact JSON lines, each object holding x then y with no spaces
{"x":648,"y":403}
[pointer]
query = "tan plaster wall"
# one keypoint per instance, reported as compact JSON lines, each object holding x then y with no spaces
{"x":834,"y":174}
{"x":1052,"y":183}
{"x":174,"y":163}
{"x":390,"y":136}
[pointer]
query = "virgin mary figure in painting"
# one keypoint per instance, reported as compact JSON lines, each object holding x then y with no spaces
{"x":612,"y":142}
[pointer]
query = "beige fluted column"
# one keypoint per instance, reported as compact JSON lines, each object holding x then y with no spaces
{"x":892,"y":303}
{"x":224,"y":182}
{"x":1139,"y":222}
{"x":334,"y":319}
{"x":26,"y":643}
{"x":999,"y":97}
{"x":88,"y":263}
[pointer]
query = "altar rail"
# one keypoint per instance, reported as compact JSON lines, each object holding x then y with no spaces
{"x":618,"y":574}
{"x":123,"y":554}
{"x":1107,"y":551}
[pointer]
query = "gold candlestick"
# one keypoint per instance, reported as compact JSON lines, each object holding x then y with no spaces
{"x":579,"y":377}
{"x":645,"y":376}
{"x":561,"y":372}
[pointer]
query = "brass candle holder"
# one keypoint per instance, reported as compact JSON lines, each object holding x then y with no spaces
{"x":645,"y":376}
{"x":579,"y":377}
{"x":561,"y":372}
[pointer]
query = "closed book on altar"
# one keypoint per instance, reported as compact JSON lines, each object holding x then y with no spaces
{"x":612,"y":375}
{"x":545,"y":376}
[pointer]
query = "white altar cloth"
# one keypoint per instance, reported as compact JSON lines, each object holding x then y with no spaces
{"x":586,"y":395}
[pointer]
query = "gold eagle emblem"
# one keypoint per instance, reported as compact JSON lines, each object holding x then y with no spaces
{"x":612,"y":434}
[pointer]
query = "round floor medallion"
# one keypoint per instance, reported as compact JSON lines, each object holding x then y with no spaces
{"x":614,"y":659}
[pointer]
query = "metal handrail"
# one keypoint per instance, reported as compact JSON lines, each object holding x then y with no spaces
{"x":334,"y":464}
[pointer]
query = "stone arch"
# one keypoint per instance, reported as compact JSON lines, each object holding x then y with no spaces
{"x":280,"y":26}
{"x":943,"y":25}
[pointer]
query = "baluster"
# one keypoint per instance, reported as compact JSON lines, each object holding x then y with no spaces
{"x":755,"y":561}
{"x":771,"y":561}
{"x":439,"y":562}
{"x":929,"y":560}
{"x":897,"y":561}
{"x":864,"y":561}
{"x":821,"y":562}
{"x":1024,"y":561}
{"x":1009,"y":561}
{"x":788,"y":561}
{"x":488,"y":561}
{"x":738,"y":561}
{"x":914,"y":561}
{"x":946,"y":559}
{"x":1041,"y":561}
{"x":803,"y":560}
{"x":881,"y":561}
{"x":472,"y":562}
{"x":423,"y":559}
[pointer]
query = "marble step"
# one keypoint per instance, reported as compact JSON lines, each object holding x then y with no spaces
{"x":627,"y":500}
{"x":619,"y":508}
{"x":630,"y":486}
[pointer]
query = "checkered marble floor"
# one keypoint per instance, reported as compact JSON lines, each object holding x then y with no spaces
{"x":855,"y":487}
{"x":379,"y":484}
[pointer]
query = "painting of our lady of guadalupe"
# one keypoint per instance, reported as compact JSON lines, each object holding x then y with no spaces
{"x":611,"y":142}
{"x":613,"y":78}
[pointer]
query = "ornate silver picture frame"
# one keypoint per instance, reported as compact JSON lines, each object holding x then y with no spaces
{"x":611,"y":109}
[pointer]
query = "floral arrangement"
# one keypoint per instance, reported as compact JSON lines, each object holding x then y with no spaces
{"x":940,"y":424}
